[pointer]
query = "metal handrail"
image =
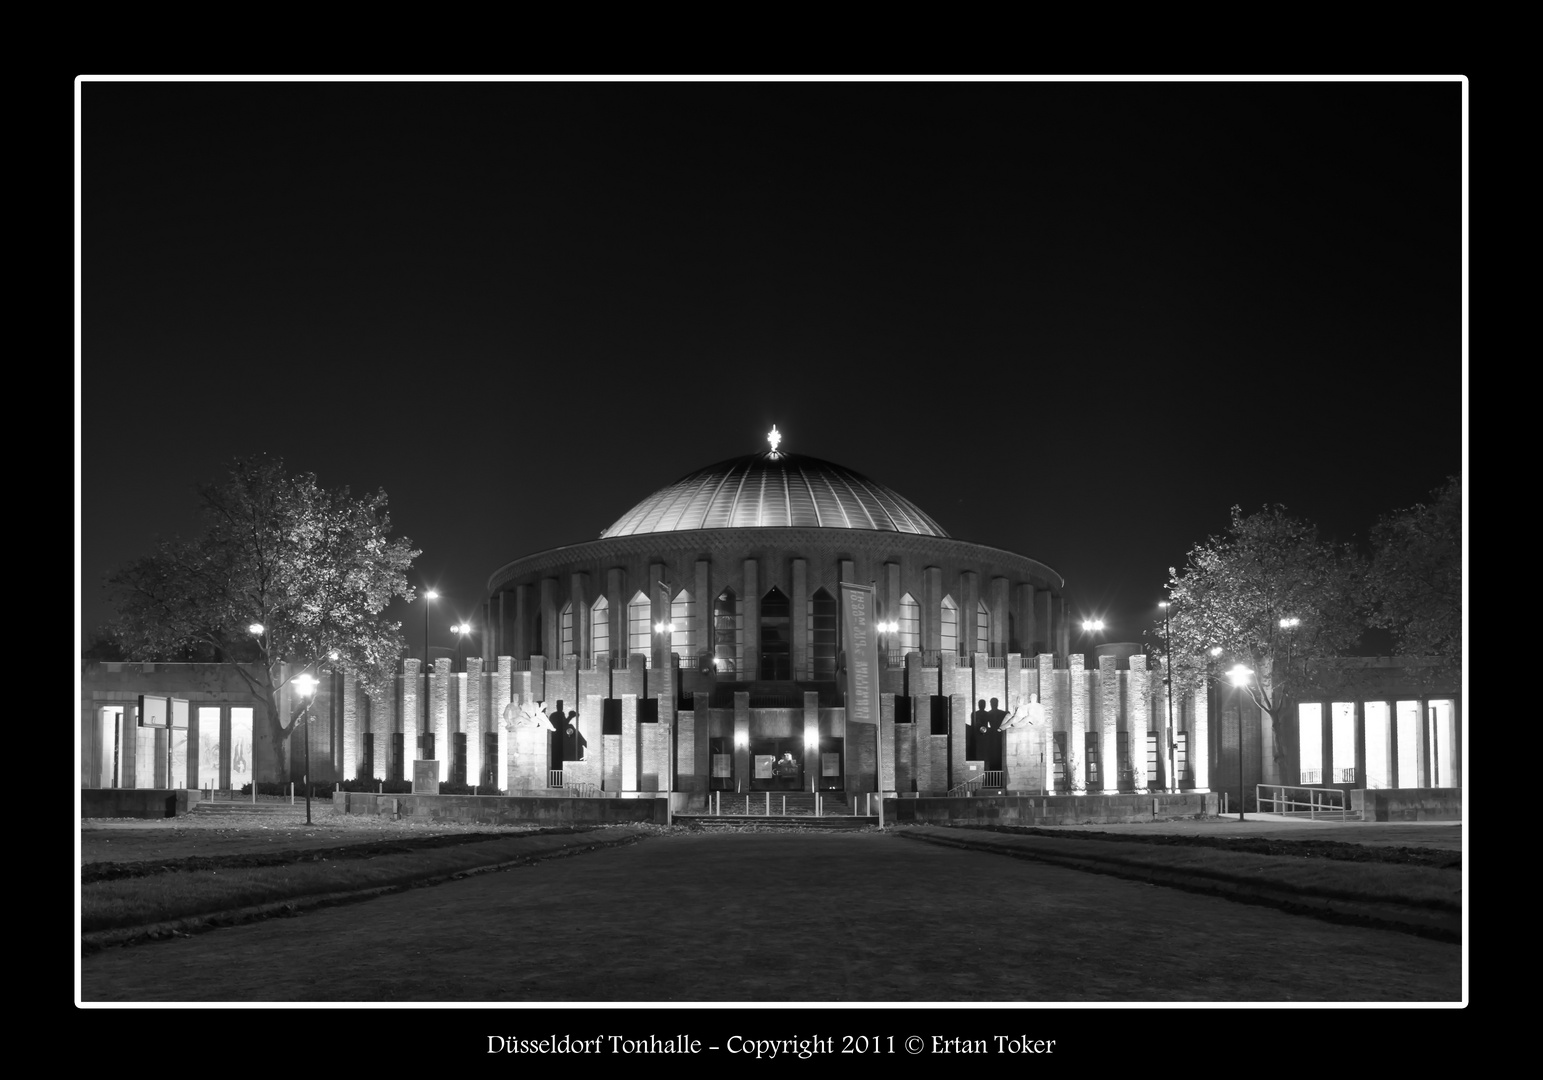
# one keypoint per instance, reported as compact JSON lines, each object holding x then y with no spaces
{"x":964,"y":789}
{"x":1320,"y":802}
{"x":582,"y":789}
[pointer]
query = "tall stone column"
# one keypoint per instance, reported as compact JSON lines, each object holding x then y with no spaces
{"x":1199,"y":738}
{"x":812,"y":760}
{"x":440,"y":705}
{"x":472,"y":718}
{"x":630,"y":756}
{"x":1076,"y":732}
{"x":1138,"y":719}
{"x":412,"y":714}
{"x":1108,"y":721}
{"x":742,"y":771}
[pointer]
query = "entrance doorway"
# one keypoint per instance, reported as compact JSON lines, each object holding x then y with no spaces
{"x":777,"y":765}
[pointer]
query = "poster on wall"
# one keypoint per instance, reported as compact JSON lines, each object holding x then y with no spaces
{"x":723,"y":766}
{"x":830,"y":764}
{"x":154,"y":711}
{"x":763,"y":766}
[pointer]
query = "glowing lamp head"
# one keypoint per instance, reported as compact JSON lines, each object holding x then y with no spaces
{"x":1287,"y":624}
{"x":1092,"y":625}
{"x":431,"y":595}
{"x":256,"y":629}
{"x":305,"y":684}
{"x":774,"y":437}
{"x":1216,"y":650}
{"x":1239,"y":675}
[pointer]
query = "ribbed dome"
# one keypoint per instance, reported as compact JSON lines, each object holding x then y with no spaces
{"x":770,"y":490}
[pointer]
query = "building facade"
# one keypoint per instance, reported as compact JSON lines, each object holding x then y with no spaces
{"x":694,"y":647}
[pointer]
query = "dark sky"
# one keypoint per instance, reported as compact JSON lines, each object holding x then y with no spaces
{"x":1078,"y":321}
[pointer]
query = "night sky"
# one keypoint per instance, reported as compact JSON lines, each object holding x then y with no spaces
{"x":1078,"y":321}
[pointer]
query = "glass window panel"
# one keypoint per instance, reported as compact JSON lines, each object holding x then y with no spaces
{"x":910,"y":624}
{"x":639,"y":616}
{"x":567,"y":630}
{"x":240,"y":747}
{"x":208,"y":765}
{"x":1342,"y":746}
{"x":982,"y":628}
{"x":600,"y":629}
{"x":683,"y":615}
{"x":950,"y":626}
{"x":1310,"y":743}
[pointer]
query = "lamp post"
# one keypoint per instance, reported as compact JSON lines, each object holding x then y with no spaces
{"x":1239,"y":677}
{"x":306,"y":684}
{"x":428,"y":595}
{"x":1173,"y":781}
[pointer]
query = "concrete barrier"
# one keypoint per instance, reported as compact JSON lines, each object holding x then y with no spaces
{"x":503,"y":809}
{"x":1029,"y":810}
{"x":1408,"y":804}
{"x":136,"y":802}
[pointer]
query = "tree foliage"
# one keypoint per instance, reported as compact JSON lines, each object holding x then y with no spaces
{"x":317,"y":568}
{"x":1233,"y":594}
{"x":1415,"y":581}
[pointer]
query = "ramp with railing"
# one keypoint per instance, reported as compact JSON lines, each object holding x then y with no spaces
{"x":1313,"y":803}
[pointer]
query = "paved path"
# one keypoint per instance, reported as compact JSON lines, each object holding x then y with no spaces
{"x":780,"y":917}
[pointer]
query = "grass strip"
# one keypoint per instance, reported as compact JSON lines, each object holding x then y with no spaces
{"x":146,"y":900}
{"x":1410,"y":898}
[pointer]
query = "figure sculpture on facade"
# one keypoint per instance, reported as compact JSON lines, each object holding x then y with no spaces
{"x":526,"y":714}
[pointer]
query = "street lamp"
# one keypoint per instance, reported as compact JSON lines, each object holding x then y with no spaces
{"x":428,"y":595}
{"x":460,"y":630}
{"x":1239,"y":677}
{"x":306,"y":684}
{"x":1173,"y":781}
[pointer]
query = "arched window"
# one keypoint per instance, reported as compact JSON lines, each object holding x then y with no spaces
{"x":822,"y":635}
{"x":638,"y":617}
{"x":683,"y":615}
{"x":728,"y":633}
{"x":600,"y":630}
{"x":776,"y":635}
{"x":949,"y":621}
{"x":566,"y":624}
{"x":982,"y":628}
{"x":910,"y":624}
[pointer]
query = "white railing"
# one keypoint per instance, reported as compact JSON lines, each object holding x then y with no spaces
{"x":554,"y":778}
{"x":1310,"y":802}
{"x":1311,"y":776}
{"x":582,"y":789}
{"x":994,"y":778}
{"x":968,"y":788}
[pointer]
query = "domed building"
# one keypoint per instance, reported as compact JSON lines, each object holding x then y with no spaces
{"x":704,"y":623}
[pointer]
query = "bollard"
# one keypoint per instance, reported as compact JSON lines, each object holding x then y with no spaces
{"x":291,"y":793}
{"x":768,"y":804}
{"x":784,"y":806}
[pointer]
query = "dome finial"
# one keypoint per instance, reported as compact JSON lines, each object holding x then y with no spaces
{"x":774,"y":437}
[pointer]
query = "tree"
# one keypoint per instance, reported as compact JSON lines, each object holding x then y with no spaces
{"x":316,"y":568}
{"x":1415,"y":582}
{"x":1272,"y":596}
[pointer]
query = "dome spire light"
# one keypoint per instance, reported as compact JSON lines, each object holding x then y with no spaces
{"x":774,"y":437}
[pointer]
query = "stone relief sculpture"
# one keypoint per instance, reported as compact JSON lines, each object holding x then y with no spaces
{"x":526,"y":714}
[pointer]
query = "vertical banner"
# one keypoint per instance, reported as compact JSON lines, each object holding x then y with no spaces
{"x":860,"y":643}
